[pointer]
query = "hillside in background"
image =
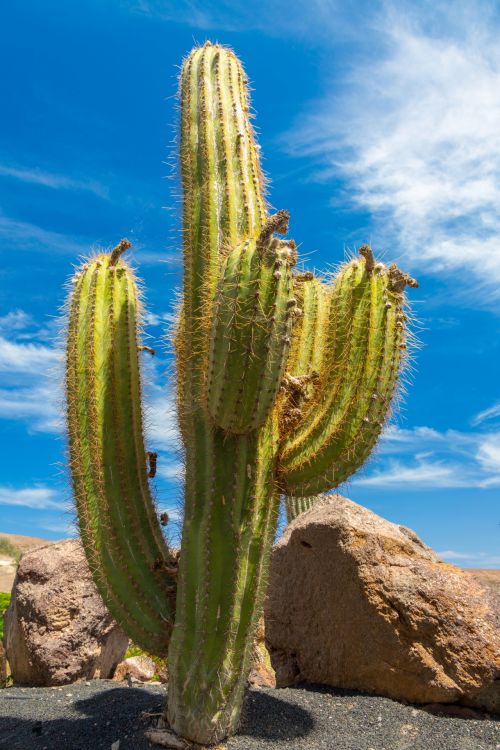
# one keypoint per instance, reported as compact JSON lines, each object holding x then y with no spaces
{"x":11,"y":547}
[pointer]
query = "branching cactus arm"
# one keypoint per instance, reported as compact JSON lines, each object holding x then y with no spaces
{"x":362,"y":352}
{"x":118,"y":524}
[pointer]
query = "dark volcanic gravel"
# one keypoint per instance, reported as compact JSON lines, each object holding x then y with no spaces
{"x":96,"y":714}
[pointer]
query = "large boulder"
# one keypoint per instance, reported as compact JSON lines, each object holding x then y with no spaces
{"x":57,"y":629}
{"x":358,"y":602}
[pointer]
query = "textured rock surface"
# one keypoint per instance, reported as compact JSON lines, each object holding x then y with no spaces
{"x":357,"y":602}
{"x":57,"y":629}
{"x":3,"y":666}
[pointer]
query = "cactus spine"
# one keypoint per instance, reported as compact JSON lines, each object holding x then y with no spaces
{"x":122,"y":540}
{"x":283,"y":384}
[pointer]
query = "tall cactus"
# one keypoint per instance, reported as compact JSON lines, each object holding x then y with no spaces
{"x":283,"y":384}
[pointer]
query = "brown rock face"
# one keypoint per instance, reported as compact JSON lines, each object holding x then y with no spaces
{"x":57,"y":629}
{"x":357,"y":602}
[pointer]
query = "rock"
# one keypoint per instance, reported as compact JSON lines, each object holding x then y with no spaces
{"x":357,"y":602}
{"x":57,"y":629}
{"x":3,"y":666}
{"x":141,"y":668}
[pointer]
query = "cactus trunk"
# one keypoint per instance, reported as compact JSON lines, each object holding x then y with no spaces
{"x":231,"y":502}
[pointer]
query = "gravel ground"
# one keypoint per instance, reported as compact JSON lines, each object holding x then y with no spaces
{"x":94,"y":715}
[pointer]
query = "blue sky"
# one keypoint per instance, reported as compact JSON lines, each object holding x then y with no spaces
{"x":378,"y":122}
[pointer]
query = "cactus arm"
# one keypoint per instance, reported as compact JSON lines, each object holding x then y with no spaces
{"x":361,"y":362}
{"x":119,"y":529}
{"x":306,"y":353}
{"x":250,"y":334}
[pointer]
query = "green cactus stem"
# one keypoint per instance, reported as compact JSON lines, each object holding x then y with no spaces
{"x":119,"y":529}
{"x":251,"y":334}
{"x":284,"y":382}
{"x":231,"y":502}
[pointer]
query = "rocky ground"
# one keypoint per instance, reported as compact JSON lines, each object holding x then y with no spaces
{"x":103,"y":716}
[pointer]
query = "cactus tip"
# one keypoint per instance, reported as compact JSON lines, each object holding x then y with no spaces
{"x":118,"y":250}
{"x":400,"y":279}
{"x":278,"y":222}
{"x":366,"y":252}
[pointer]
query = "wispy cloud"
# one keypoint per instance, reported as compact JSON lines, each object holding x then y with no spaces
{"x":491,"y":413}
{"x":23,"y":235}
{"x":422,"y":457}
{"x":415,"y":133}
{"x":37,"y":176}
{"x":477,"y":558}
{"x":38,"y":498}
{"x":31,"y":374}
{"x":38,"y":405}
{"x":422,"y":473}
{"x":272,"y":17}
{"x":26,"y":357}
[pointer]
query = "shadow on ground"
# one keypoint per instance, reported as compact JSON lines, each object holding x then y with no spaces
{"x":39,"y":718}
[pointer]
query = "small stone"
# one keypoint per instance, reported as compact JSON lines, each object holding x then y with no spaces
{"x":141,"y":668}
{"x":165,"y":738}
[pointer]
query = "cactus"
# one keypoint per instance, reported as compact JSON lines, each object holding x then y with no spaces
{"x":120,"y":534}
{"x":284,"y":381}
{"x":362,"y":345}
{"x":294,"y":506}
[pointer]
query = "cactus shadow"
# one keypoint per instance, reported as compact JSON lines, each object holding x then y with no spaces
{"x":267,"y":717}
{"x":34,"y":720}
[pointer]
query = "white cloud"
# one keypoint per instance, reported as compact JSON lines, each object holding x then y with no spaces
{"x":170,"y":470}
{"x":39,"y":405}
{"x":491,"y":413}
{"x":38,"y":176}
{"x":38,"y":498}
{"x":67,"y":528}
{"x":478,"y":558}
{"x":271,"y":17}
{"x":415,"y":133}
{"x":423,"y":457}
{"x":15,"y":320}
{"x":422,"y":474}
{"x":26,"y":357}
{"x":26,"y":236}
